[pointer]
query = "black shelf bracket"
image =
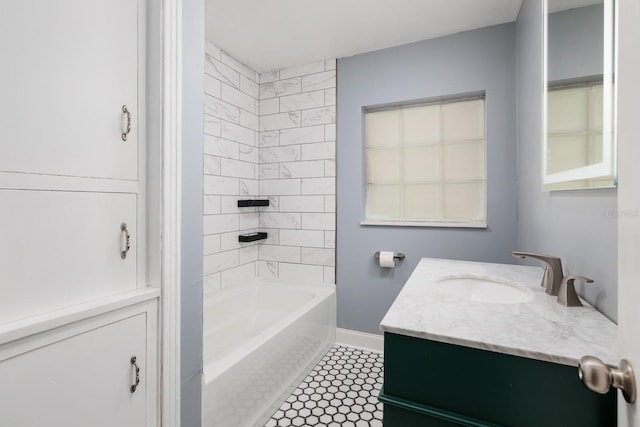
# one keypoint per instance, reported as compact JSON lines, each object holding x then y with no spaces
{"x":252,"y":237}
{"x":252,"y":203}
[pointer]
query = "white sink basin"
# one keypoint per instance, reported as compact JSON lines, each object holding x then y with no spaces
{"x":487,"y":290}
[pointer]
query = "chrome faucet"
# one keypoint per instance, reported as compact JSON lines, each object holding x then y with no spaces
{"x":553,"y":275}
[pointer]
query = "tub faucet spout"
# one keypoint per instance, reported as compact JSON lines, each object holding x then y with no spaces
{"x":553,"y":274}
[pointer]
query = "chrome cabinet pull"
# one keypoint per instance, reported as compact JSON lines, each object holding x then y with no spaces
{"x":137,"y":371}
{"x":127,"y":123}
{"x":125,"y":241}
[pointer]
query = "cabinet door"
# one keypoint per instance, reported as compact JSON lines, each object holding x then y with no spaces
{"x":70,"y":66}
{"x":63,"y":248}
{"x":83,"y":380}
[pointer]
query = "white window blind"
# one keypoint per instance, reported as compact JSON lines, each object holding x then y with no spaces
{"x":425,"y":164}
{"x":574,"y":127}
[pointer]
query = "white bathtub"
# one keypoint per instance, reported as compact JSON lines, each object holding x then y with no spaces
{"x":259,"y":340}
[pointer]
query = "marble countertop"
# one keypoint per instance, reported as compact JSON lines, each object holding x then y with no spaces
{"x":539,"y":329}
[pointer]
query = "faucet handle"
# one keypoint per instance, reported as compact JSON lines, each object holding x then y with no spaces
{"x":567,"y":295}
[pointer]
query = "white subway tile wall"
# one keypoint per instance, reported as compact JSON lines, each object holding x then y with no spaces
{"x":231,"y":168}
{"x":269,"y":135}
{"x":297,"y":144}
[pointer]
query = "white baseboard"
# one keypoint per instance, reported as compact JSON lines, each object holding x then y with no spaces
{"x":362,"y":340}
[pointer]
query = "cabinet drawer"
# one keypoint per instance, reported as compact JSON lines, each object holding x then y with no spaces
{"x":73,"y":66}
{"x":80,"y":380}
{"x":63,"y":248}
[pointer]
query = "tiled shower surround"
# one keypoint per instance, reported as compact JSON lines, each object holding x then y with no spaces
{"x":269,"y":136}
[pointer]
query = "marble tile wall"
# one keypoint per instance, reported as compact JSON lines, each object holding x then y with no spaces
{"x":269,"y":136}
{"x":297,"y":168}
{"x":231,"y":160}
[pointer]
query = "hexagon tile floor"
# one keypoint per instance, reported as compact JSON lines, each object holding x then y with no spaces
{"x":341,"y":391}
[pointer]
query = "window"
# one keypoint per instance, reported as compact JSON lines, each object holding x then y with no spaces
{"x":425,"y":164}
{"x":575,"y":133}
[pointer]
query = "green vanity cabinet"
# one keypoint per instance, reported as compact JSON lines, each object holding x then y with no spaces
{"x":429,"y":383}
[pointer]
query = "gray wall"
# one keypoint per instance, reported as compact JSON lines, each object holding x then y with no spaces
{"x":576,"y":43}
{"x":191,"y":258}
{"x":579,"y":226}
{"x":480,"y":60}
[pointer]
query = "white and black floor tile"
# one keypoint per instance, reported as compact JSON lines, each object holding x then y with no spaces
{"x":342,"y":390}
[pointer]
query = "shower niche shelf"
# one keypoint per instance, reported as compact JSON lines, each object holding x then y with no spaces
{"x":253,"y":203}
{"x":252,"y":237}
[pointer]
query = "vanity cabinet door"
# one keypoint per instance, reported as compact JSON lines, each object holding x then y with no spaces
{"x":440,"y":384}
{"x":62,"y":248}
{"x":70,"y":67}
{"x":77,"y":378}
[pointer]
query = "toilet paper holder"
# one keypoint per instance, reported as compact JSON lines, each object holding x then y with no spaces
{"x":397,"y":256}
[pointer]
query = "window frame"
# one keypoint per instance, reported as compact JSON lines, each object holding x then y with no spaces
{"x":439,"y":223}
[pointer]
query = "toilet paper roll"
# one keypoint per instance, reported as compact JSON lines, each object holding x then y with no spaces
{"x":386,"y":259}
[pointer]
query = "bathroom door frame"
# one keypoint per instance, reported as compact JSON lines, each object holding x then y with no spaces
{"x":171,"y":87}
{"x":628,"y":199}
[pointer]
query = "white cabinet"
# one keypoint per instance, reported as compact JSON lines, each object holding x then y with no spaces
{"x":81,"y":374}
{"x":73,"y":309}
{"x":60,"y":248}
{"x":69,"y":66}
{"x":68,"y":178}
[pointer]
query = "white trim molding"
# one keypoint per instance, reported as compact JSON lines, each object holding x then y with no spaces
{"x":171,"y":203}
{"x":361,"y":340}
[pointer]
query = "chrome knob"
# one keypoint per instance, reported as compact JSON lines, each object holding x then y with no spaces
{"x":598,"y":377}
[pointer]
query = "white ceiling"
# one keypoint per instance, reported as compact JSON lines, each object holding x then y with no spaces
{"x":274,"y":34}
